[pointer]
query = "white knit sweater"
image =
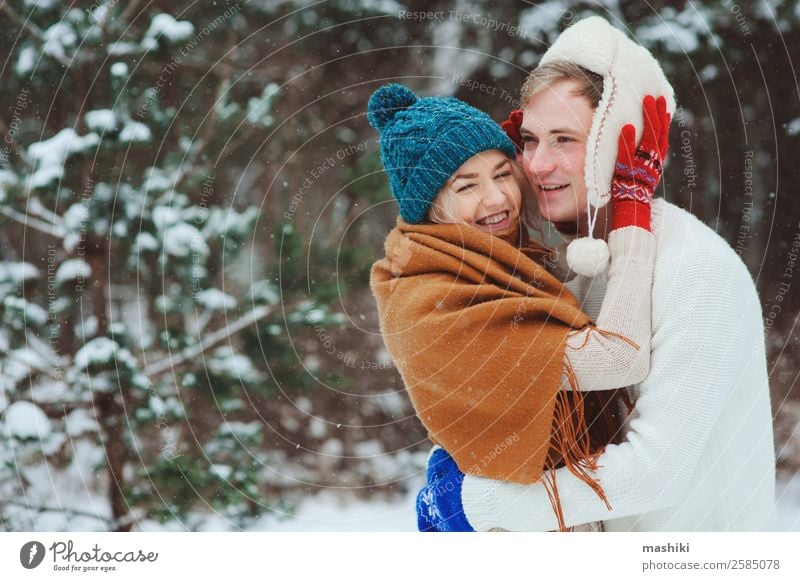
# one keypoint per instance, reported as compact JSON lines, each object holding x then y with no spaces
{"x":603,"y":361}
{"x":699,"y":452}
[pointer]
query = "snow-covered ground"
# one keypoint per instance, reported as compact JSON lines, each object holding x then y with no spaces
{"x":329,"y":512}
{"x":325,"y":513}
{"x":788,"y":495}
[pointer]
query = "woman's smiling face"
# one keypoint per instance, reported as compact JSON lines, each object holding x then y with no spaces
{"x":484,"y":193}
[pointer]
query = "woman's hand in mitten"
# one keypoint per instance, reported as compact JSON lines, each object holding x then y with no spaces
{"x":439,"y":506}
{"x":638,"y":169}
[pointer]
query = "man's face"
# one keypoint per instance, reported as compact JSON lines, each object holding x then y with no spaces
{"x":555,"y":128}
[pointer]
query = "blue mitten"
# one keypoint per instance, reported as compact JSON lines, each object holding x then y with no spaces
{"x":439,"y":506}
{"x":427,"y":513}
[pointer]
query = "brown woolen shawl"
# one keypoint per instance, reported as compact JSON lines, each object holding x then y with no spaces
{"x":477,"y":328}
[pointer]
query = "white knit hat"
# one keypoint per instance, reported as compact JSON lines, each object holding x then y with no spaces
{"x":629,"y":73}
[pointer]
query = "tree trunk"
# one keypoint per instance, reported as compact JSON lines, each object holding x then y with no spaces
{"x":110,"y":412}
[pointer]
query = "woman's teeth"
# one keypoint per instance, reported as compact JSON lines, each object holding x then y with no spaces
{"x":489,"y":220}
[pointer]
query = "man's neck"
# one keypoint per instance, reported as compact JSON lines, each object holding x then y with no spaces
{"x":580,"y":227}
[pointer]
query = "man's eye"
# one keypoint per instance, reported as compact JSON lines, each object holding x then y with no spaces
{"x":529,"y":139}
{"x":564,"y":139}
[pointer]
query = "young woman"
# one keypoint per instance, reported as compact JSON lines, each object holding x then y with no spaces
{"x":502,"y":366}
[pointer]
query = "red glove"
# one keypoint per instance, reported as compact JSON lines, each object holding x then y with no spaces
{"x":639,"y":169}
{"x":511,"y":127}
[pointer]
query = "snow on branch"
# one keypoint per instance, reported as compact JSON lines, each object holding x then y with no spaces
{"x":48,"y":228}
{"x":58,"y":509}
{"x":50,"y":44}
{"x":209,"y":341}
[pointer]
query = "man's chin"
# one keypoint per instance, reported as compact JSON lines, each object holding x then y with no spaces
{"x":556,"y":212}
{"x":556,"y":215}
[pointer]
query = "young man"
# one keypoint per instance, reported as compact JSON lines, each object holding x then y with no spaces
{"x":698,"y":453}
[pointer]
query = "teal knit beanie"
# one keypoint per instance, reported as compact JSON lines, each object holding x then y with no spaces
{"x":424,"y":141}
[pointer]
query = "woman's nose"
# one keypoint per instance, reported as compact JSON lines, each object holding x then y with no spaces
{"x":493,"y":196}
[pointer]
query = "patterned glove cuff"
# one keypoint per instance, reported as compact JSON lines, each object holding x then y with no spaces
{"x":637,"y":181}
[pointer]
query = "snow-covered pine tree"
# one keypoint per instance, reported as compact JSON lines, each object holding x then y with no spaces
{"x":120,"y":219}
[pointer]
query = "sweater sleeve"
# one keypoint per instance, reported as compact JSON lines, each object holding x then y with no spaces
{"x":697,"y":324}
{"x":616,"y":351}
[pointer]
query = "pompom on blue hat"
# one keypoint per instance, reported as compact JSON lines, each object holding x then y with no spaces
{"x":425,"y":140}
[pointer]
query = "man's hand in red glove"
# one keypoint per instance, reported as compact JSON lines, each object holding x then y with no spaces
{"x":511,"y":127}
{"x":638,"y":169}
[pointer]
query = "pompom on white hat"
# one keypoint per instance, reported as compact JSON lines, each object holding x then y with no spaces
{"x":629,"y":73}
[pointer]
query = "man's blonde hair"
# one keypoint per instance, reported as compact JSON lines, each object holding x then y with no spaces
{"x":544,"y":76}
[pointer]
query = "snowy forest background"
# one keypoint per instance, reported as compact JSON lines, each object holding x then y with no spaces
{"x":190,"y":201}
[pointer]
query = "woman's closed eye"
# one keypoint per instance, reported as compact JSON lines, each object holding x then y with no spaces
{"x":503,"y":175}
{"x":465,"y":187}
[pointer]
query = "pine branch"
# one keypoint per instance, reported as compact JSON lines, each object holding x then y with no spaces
{"x":61,"y":510}
{"x":21,"y":153}
{"x":209,"y":131}
{"x":36,"y":208}
{"x":229,"y":68}
{"x":54,"y":230}
{"x":202,"y":321}
{"x":129,"y":10}
{"x":60,"y":409}
{"x":102,"y":24}
{"x":170,"y":362}
{"x":31,"y":29}
{"x":42,"y":349}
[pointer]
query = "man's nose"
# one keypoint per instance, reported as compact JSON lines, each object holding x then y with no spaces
{"x":540,"y":161}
